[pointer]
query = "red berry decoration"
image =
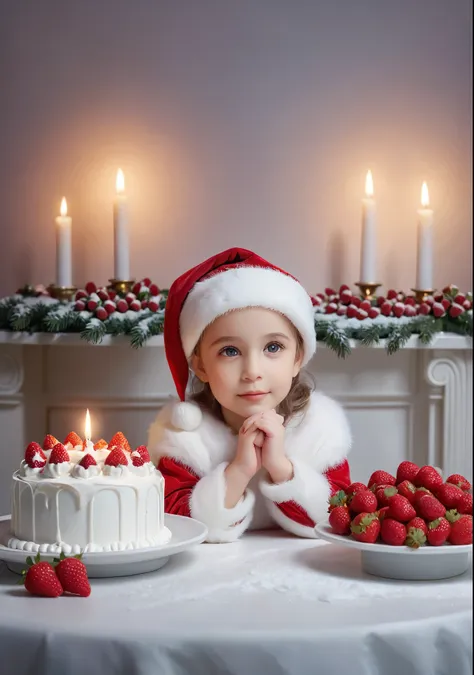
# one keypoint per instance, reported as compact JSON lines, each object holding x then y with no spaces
{"x":91,"y":287}
{"x":34,"y":456}
{"x":101,"y":313}
{"x":122,"y":306}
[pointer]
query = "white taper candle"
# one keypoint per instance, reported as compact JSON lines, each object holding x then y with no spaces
{"x":63,"y":247}
{"x":121,"y":239}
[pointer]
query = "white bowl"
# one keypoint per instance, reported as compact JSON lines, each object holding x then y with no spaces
{"x":403,"y":562}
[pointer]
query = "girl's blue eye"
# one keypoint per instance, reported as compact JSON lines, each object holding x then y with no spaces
{"x":274,"y":347}
{"x":229,"y":351}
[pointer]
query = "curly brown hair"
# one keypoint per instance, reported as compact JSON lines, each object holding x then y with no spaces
{"x":295,"y":401}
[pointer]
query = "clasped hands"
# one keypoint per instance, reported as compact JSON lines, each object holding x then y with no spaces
{"x":261,"y":444}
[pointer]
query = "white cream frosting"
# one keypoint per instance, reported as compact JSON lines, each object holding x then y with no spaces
{"x":65,"y":507}
{"x":80,"y":472}
{"x":57,"y":470}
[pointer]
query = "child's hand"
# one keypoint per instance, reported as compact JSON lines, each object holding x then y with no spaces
{"x":273,"y":456}
{"x":248,"y":457}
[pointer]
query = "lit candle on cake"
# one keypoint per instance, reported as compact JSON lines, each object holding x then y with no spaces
{"x":88,"y":445}
{"x":63,"y":248}
{"x":368,"y":242}
{"x":424,"y":268}
{"x":121,"y":243}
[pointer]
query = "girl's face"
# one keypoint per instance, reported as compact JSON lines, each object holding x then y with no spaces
{"x":249,"y":358}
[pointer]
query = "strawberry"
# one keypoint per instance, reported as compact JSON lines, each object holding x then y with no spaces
{"x":135,"y":305}
{"x":122,"y":306}
{"x":40,"y":578}
{"x":383,"y":494}
{"x":79,"y":305}
{"x":430,"y":508}
{"x":399,"y":508}
{"x":429,"y":478}
{"x":116,"y":457}
{"x":407,"y":471}
{"x":363,"y":501}
{"x":87,"y":461}
{"x":464,"y":505}
{"x":100,"y":444}
{"x":438,"y":531}
{"x":146,"y":281}
{"x":420,"y":492}
{"x":90,"y":287}
{"x":109,"y":306}
{"x":460,"y":481}
{"x":101,"y":313}
{"x":408,"y":490}
{"x":34,"y":456}
{"x":73,"y":439}
{"x":365,"y":527}
{"x":340,"y":520}
{"x":59,"y":454}
{"x":355,"y":487}
{"x":49,"y":442}
{"x":381,"y":478}
{"x":153,"y":305}
{"x":418,"y":523}
{"x":461,"y":531}
{"x":337,"y":499}
{"x":118,"y":440}
{"x":416,"y":537}
{"x":449,"y":495}
{"x":137,"y":460}
{"x":154,"y":290}
{"x":393,"y":532}
{"x":382,"y":513}
{"x":143,"y":452}
{"x":72,"y":575}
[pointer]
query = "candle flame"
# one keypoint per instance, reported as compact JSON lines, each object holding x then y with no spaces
{"x":120,"y":182}
{"x":88,"y":432}
{"x":369,"y":184}
{"x":63,"y":209}
{"x":425,"y":197}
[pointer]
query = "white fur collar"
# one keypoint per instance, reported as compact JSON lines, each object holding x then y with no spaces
{"x":321,"y":435}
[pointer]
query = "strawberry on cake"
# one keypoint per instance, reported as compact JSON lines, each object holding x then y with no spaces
{"x":78,"y":496}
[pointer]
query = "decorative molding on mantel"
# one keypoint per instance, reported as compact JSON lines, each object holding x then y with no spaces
{"x":11,"y":376}
{"x":440,"y":341}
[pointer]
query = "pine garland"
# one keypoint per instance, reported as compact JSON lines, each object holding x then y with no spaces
{"x":32,"y":310}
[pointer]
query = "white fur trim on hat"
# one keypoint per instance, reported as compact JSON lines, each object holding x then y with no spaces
{"x":242,"y":287}
{"x":186,"y":416}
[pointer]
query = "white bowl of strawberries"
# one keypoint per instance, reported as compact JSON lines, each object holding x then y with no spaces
{"x":414,"y":525}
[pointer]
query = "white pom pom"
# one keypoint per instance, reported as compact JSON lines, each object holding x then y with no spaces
{"x":186,"y":416}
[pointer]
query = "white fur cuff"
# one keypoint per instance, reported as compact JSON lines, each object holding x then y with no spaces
{"x":207,"y":505}
{"x":308,"y":488}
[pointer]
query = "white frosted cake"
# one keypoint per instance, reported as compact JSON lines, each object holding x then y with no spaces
{"x":80,"y":497}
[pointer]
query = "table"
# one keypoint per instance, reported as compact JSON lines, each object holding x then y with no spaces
{"x":269,"y":603}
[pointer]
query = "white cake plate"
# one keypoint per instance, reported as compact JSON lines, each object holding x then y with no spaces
{"x":185,"y":533}
{"x":402,"y":562}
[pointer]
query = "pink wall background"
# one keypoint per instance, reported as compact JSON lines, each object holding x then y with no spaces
{"x":249,"y":122}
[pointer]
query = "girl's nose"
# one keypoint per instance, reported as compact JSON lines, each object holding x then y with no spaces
{"x":251,"y":369}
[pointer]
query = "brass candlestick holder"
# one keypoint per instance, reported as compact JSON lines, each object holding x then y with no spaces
{"x":62,"y":293}
{"x":421,"y":295}
{"x":121,"y":285}
{"x":367,"y":289}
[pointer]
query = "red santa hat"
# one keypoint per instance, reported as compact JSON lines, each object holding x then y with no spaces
{"x":233,"y":279}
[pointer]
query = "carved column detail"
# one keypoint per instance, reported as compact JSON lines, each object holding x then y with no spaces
{"x":452,"y":372}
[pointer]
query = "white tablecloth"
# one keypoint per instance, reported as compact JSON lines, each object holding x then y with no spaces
{"x":269,"y":603}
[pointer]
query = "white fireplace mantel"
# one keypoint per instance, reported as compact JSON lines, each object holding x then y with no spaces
{"x":415,"y":404}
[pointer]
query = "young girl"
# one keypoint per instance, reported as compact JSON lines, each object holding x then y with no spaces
{"x":254,"y":447}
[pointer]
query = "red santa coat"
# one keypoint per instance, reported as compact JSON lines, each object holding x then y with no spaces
{"x":192,"y":450}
